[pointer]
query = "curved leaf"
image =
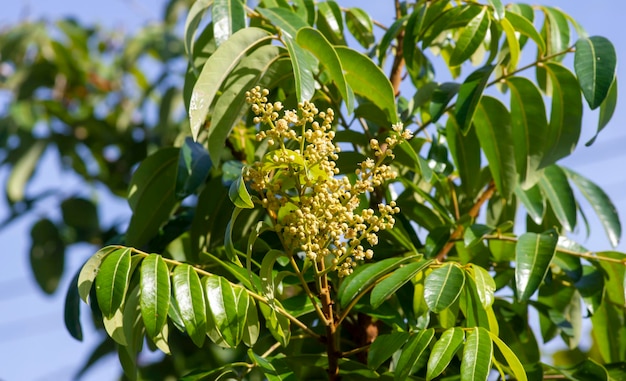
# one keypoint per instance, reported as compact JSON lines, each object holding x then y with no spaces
{"x":330,"y":22}
{"x":228,"y":17}
{"x":607,"y":108}
{"x":23,"y":170}
{"x":414,"y":354}
{"x":151,"y":195}
{"x":556,"y":30}
{"x":112,"y":281}
{"x":368,"y":81}
{"x":470,"y":38}
{"x":286,"y":20}
{"x":493,"y":128}
{"x":443,"y":351}
{"x":238,"y":194}
{"x":223,"y":313}
{"x":441,"y":98}
{"x":533,"y":255}
{"x":595,"y":62}
{"x":477,"y":355}
{"x":304,"y":64}
{"x":512,"y":42}
{"x":529,"y":122}
{"x":194,"y":164}
{"x":360,"y":25}
{"x":191,"y":23}
{"x":470,"y":93}
{"x":443,"y":287}
{"x":393,"y":282}
{"x":600,"y":202}
{"x":315,"y":42}
{"x":215,"y":71}
{"x":47,"y":254}
{"x":366,"y":275}
{"x":516,"y":367}
{"x":557,"y":190}
{"x":485,"y":285}
{"x":384,"y":347}
{"x":533,"y":201}
{"x":89,"y":271}
{"x":155,"y":291}
{"x":526,"y":27}
{"x":189,"y":298}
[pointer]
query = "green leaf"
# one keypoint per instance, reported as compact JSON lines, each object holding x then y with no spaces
{"x":89,"y":271}
{"x":304,"y":64}
{"x":600,"y":202}
{"x":330,"y":22}
{"x":23,"y":170}
{"x":533,"y":255}
{"x":238,"y":194}
{"x":443,"y":287}
{"x":493,"y":128}
{"x":529,"y":122}
{"x":276,"y":323}
{"x":470,"y":38}
{"x":151,"y":195}
{"x":72,"y":310}
{"x":228,"y":17}
{"x":607,"y":108}
{"x":133,"y":334}
{"x":565,"y":115}
{"x":556,"y":30}
{"x":365,"y":276}
{"x":266,"y":273}
{"x":515,"y":366}
{"x":155,"y":291}
{"x":393,"y":282}
{"x":194,"y":17}
{"x":190,"y":301}
{"x":595,"y":62}
{"x":498,"y":9}
{"x":360,"y":25}
{"x":47,"y":255}
{"x":557,"y":190}
{"x":216,"y":69}
{"x":223,"y":312}
{"x":384,"y":347}
{"x":112,"y":281}
{"x":443,"y":351}
{"x":588,"y":370}
{"x":485,"y":285}
{"x":526,"y":27}
{"x":533,"y":201}
{"x":465,"y":151}
{"x":252,"y":327}
{"x":414,"y":354}
{"x":286,"y":20}
{"x":470,"y":93}
{"x":440,"y":99}
{"x":368,"y":80}
{"x":315,"y":42}
{"x":477,"y":354}
{"x":512,"y":42}
{"x":194,"y":164}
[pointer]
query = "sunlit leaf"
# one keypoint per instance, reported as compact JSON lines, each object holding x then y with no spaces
{"x":223,"y":311}
{"x":228,"y":17}
{"x":533,"y":255}
{"x":556,"y":189}
{"x":112,"y":281}
{"x":477,"y":354}
{"x":443,"y":287}
{"x":238,"y":194}
{"x":393,"y":282}
{"x":443,"y":351}
{"x":189,"y":298}
{"x":89,"y":271}
{"x":414,"y":354}
{"x":485,"y":285}
{"x":155,"y":294}
{"x":470,"y":38}
{"x":516,"y":367}
{"x":525,"y":27}
{"x":360,"y":25}
{"x":470,"y":94}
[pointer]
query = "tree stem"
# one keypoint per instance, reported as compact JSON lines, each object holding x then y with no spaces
{"x":331,"y":328}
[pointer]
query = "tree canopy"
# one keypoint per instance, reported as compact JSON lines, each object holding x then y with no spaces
{"x":312,"y":199}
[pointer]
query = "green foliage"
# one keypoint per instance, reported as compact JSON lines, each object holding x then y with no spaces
{"x":260,"y":223}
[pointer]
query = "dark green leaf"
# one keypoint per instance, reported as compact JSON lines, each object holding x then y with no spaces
{"x":414,"y":354}
{"x":595,"y":62}
{"x":384,"y":347}
{"x":360,"y":24}
{"x":465,"y":151}
{"x":155,"y":294}
{"x":393,"y":282}
{"x":588,"y":370}
{"x":533,"y":255}
{"x":441,"y":98}
{"x":493,"y":128}
{"x":47,"y":255}
{"x":190,"y":301}
{"x":304,"y":64}
{"x":470,"y":93}
{"x":470,"y":38}
{"x":194,"y":164}
{"x":443,"y":287}
{"x":557,"y":190}
{"x":365,"y":276}
{"x":228,"y":17}
{"x":477,"y":354}
{"x":151,"y":195}
{"x":368,"y":81}
{"x":443,"y":351}
{"x":276,"y":323}
{"x":607,"y":108}
{"x":238,"y":194}
{"x":89,"y":271}
{"x":533,"y":201}
{"x":112,"y":281}
{"x":72,"y":310}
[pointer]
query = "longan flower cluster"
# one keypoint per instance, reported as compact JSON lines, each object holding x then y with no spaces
{"x":314,"y":210}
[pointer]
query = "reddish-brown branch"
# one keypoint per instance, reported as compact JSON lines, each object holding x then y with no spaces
{"x":473,"y":213}
{"x":398,"y":60}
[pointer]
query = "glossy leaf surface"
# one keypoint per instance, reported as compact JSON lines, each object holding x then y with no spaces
{"x":533,"y":255}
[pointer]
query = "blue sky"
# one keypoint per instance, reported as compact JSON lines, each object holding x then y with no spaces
{"x":34,"y":344}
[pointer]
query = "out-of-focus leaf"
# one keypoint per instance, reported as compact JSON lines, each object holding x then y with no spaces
{"x":393,"y":282}
{"x":414,"y":354}
{"x":23,"y":170}
{"x":525,"y":27}
{"x":477,"y":354}
{"x":368,"y":81}
{"x":155,"y":291}
{"x":191,"y":23}
{"x":516,"y":367}
{"x":443,"y":351}
{"x":194,"y":164}
{"x":498,"y":9}
{"x":470,"y":38}
{"x":512,"y":43}
{"x":384,"y":347}
{"x":72,"y":310}
{"x":360,"y":25}
{"x":366,"y":275}
{"x":588,"y":370}
{"x":607,"y":108}
{"x":529,"y":122}
{"x":470,"y":93}
{"x":216,"y":69}
{"x":595,"y":62}
{"x":112,"y":281}
{"x":315,"y":42}
{"x":533,"y":255}
{"x":557,"y":190}
{"x":47,"y":255}
{"x":565,"y":115}
{"x":556,"y":30}
{"x":189,"y":299}
{"x":443,"y":287}
{"x":493,"y":128}
{"x":228,"y":17}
